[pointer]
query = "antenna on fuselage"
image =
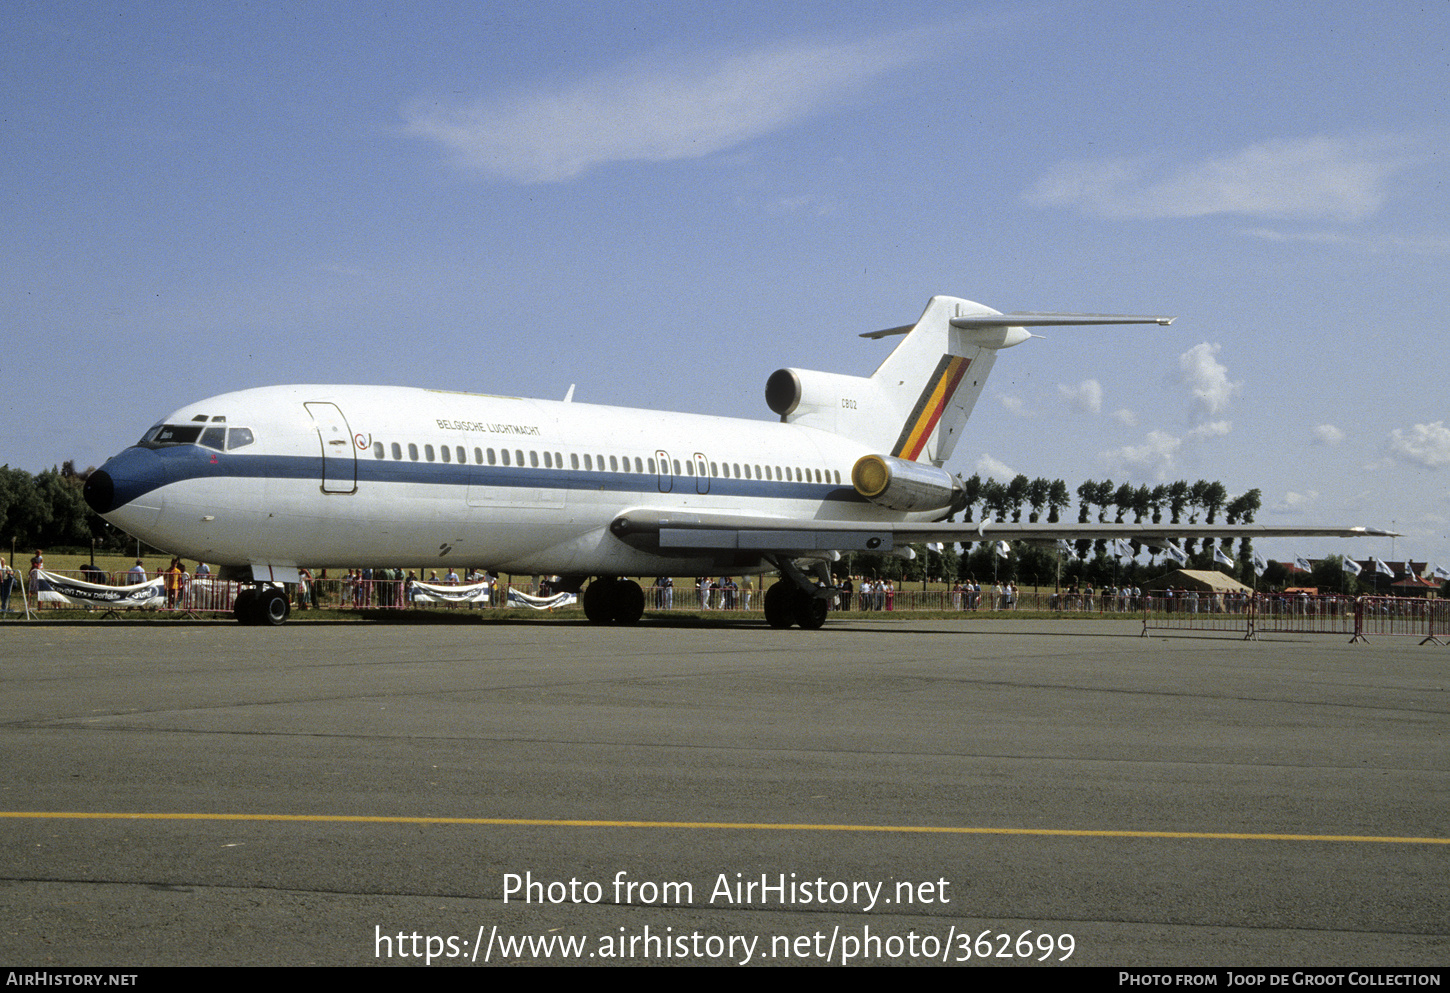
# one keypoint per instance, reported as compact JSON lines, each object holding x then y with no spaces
{"x":569,"y":397}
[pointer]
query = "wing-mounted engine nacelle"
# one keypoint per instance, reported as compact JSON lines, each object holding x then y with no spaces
{"x":916,"y":487}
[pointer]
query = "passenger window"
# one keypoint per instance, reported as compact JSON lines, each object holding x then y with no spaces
{"x":428,"y":452}
{"x":714,"y":469}
{"x":478,"y":456}
{"x":397,"y":450}
{"x":534,"y":459}
{"x":677,"y":466}
{"x":505,"y":453}
{"x":548,"y":460}
{"x":573,"y":460}
{"x":613,"y":464}
{"x":589,"y":463}
{"x":491,"y":457}
{"x":447,"y":455}
{"x":462,"y":455}
{"x":519,"y":455}
{"x":652,"y":466}
{"x":638,"y":464}
{"x":413,"y":451}
{"x":690,"y":467}
{"x":378,"y":451}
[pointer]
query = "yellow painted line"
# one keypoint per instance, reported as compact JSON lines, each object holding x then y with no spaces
{"x":720,"y":826}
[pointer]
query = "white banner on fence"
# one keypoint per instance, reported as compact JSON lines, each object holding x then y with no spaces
{"x":51,"y":588}
{"x":518,"y":599}
{"x":429,"y":593}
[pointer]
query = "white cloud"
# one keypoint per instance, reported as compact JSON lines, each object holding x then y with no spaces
{"x":1210,"y":429}
{"x":1015,"y":406}
{"x":1207,"y":378}
{"x":1153,"y":458}
{"x":1426,"y":444}
{"x":1126,"y":417}
{"x":1000,"y":471}
{"x":1341,"y":179}
{"x":1374,"y":244}
{"x":1156,"y":457}
{"x":1296,"y":503}
{"x":1327,"y":434}
{"x":1085,"y":396}
{"x":657,"y":109}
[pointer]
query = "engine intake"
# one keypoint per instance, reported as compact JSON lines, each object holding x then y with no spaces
{"x":897,"y":484}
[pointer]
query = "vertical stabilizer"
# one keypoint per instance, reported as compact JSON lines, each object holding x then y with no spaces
{"x":931,"y":381}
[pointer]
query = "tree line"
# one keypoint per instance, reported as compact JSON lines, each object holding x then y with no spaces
{"x":1179,"y":502}
{"x":47,"y":510}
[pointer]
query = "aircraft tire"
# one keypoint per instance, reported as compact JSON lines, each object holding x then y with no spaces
{"x":598,"y":601}
{"x":810,"y":611}
{"x":243,"y":607}
{"x":273,"y":608}
{"x":628,"y":602}
{"x":778,"y":603}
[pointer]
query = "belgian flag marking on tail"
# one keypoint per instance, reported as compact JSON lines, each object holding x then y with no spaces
{"x":929,"y":406}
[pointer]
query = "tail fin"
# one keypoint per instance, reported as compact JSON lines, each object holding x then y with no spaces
{"x":915,"y":405}
{"x":931,"y":381}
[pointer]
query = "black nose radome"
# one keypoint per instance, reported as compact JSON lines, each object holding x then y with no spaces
{"x":100,"y":492}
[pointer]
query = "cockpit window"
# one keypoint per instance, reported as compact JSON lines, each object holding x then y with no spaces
{"x":212,"y":436}
{"x":164,"y":435}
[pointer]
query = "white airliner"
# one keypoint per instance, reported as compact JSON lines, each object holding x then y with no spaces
{"x":265,"y":481}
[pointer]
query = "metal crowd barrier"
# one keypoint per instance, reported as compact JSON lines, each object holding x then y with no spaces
{"x":1360,"y":617}
{"x":1428,"y":619}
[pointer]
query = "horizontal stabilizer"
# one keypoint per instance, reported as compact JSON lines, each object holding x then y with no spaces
{"x":1032,"y":321}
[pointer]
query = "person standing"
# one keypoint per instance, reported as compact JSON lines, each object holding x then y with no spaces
{"x":7,"y":584}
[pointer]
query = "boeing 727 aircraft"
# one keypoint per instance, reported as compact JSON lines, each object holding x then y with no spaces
{"x":264,"y":481}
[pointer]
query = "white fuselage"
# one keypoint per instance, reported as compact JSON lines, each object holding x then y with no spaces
{"x":338,"y":476}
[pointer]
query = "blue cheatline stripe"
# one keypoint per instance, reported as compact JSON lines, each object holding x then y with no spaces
{"x":172,"y":465}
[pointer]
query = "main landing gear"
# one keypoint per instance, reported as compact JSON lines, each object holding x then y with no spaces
{"x":787,"y":604}
{"x":608,"y":600}
{"x":796,"y":598}
{"x":262,"y":605}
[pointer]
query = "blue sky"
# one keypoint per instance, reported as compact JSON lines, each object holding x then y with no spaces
{"x":664,"y":202}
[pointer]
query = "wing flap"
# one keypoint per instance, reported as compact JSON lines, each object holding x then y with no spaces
{"x":670,"y":531}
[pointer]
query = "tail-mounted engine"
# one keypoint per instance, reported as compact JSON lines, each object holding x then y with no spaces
{"x":916,"y":487}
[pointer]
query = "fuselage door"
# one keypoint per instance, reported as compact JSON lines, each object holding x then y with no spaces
{"x":702,"y":474}
{"x":667,"y":476}
{"x":339,"y":458}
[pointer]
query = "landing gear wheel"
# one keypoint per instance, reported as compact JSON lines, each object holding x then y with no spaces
{"x":243,"y":608}
{"x":613,"y":601}
{"x":628,"y":602}
{"x":598,"y":596}
{"x":778,"y":605}
{"x":273,"y":607}
{"x":810,"y":611}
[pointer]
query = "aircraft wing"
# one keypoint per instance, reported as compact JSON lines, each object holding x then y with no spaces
{"x":668,"y":531}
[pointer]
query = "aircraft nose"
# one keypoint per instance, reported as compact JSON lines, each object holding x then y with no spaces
{"x":100,"y":492}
